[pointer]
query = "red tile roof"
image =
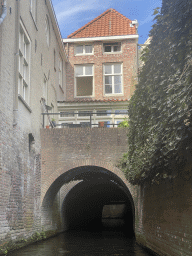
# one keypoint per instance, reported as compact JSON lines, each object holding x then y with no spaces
{"x":109,"y":23}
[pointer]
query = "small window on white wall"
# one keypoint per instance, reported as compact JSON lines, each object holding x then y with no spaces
{"x":33,"y":9}
{"x":47,"y":30}
{"x":84,"y":80}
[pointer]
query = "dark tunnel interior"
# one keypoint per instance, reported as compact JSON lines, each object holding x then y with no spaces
{"x":98,"y":204}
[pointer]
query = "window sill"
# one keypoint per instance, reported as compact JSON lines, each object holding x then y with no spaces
{"x":112,"y":52}
{"x":116,"y":95}
{"x":90,"y":96}
{"x":84,"y":54}
{"x":33,"y":20}
{"x":24,"y":103}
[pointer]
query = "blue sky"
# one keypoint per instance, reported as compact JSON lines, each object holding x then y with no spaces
{"x":73,"y":14}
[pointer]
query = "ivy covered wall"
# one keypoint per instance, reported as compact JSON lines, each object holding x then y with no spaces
{"x":160,"y":119}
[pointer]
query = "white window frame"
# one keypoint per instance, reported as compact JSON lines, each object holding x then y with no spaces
{"x":84,"y":53}
{"x":112,"y":48}
{"x":33,"y":9}
{"x":47,"y":30}
{"x":75,"y":83}
{"x":60,"y":70}
{"x":24,"y":64}
{"x":113,"y":74}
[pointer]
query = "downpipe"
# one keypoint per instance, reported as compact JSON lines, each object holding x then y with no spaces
{"x":4,"y":13}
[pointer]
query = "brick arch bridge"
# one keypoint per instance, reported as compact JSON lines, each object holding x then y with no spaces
{"x":80,"y":177}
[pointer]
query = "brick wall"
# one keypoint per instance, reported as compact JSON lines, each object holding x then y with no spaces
{"x":71,"y":151}
{"x":127,"y":57}
{"x":165,"y":215}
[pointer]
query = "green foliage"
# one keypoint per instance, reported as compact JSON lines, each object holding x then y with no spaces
{"x":124,"y":123}
{"x":160,"y":120}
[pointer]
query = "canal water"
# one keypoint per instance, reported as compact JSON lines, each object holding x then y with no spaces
{"x":109,"y":241}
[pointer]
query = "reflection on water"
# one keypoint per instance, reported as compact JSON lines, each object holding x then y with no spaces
{"x":85,"y":243}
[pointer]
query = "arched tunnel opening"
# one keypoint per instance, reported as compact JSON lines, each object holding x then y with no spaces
{"x":98,"y":200}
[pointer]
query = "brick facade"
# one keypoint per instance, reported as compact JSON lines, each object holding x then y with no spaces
{"x":69,"y":155}
{"x":127,"y":57}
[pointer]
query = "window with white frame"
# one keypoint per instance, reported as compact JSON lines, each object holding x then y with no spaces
{"x":83,"y":49}
{"x":113,"y":78}
{"x":112,"y":47}
{"x":60,"y":69}
{"x":33,"y":9}
{"x":24,"y":64}
{"x":84,"y":80}
{"x":47,"y":30}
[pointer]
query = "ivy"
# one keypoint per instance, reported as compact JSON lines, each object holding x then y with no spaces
{"x":160,"y":111}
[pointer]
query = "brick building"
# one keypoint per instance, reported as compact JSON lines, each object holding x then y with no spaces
{"x":32,"y":75}
{"x":102,"y":69}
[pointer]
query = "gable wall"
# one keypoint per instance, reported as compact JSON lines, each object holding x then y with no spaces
{"x":127,"y":57}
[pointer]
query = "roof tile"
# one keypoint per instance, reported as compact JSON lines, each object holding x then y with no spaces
{"x":109,"y":23}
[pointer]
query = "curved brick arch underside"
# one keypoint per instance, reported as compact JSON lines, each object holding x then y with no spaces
{"x":47,"y":183}
{"x":62,"y":181}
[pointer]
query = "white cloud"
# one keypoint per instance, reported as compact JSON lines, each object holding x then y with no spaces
{"x":69,"y":10}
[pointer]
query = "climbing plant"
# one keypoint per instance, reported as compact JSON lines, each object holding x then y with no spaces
{"x":160,"y":119}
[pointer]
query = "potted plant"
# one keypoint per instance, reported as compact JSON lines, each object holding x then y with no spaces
{"x":101,"y":124}
{"x":53,"y":122}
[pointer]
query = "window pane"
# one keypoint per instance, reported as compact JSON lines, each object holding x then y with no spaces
{"x":84,"y":86}
{"x":79,"y":49}
{"x":108,"y":88}
{"x":78,"y":70}
{"x":85,"y":124}
{"x":108,"y":69}
{"x":121,"y":112}
{"x":88,"y":70}
{"x":107,"y":124}
{"x":117,"y":68}
{"x":101,"y":112}
{"x":107,"y":48}
{"x":117,"y":80}
{"x":118,"y":88}
{"x":117,"y":48}
{"x":108,"y":79}
{"x":88,"y":48}
{"x":84,"y":113}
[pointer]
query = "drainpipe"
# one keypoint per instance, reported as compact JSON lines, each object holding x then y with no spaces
{"x":4,"y":13}
{"x":15,"y":82}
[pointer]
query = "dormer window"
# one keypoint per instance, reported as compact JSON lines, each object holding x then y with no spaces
{"x":83,"y":49}
{"x":112,"y":47}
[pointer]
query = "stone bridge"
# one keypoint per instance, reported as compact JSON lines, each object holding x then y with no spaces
{"x":80,"y":181}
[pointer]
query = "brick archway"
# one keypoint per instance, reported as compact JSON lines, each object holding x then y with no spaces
{"x":48,"y":181}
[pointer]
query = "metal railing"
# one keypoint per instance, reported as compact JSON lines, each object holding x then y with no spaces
{"x":89,"y":114}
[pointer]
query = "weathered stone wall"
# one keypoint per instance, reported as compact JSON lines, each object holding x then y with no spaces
{"x":166,"y":214}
